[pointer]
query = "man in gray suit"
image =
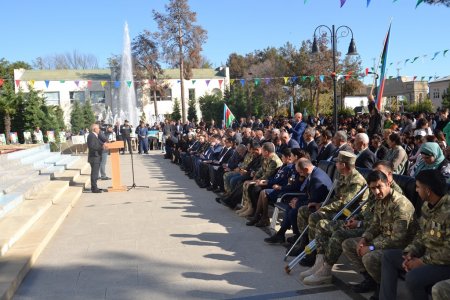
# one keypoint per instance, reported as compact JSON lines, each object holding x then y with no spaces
{"x":95,"y":147}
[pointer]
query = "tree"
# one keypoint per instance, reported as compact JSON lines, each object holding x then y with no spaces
{"x":212,"y":107}
{"x":446,"y":98}
{"x":76,"y":118}
{"x":74,"y":60}
{"x":146,"y":55}
{"x":180,"y":38}
{"x":88,"y":114}
{"x":176,"y":115}
{"x":443,"y":2}
{"x":8,"y":104}
{"x":192,"y":110}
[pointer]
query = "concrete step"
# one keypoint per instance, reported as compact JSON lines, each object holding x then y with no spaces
{"x":9,"y":202}
{"x":27,"y":152}
{"x":6,"y":177}
{"x":15,"y":224}
{"x":27,"y":186}
{"x":20,"y":258}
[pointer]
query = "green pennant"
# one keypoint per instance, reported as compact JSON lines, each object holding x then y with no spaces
{"x":62,"y":81}
{"x":257,"y":80}
{"x":129,"y":83}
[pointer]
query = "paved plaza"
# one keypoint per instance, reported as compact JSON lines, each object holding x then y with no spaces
{"x":170,"y":241}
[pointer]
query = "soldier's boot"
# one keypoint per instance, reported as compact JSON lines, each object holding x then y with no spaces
{"x":322,"y":276}
{"x":317,"y":265}
{"x":376,"y":294}
{"x":367,"y":285}
{"x":248,"y":212}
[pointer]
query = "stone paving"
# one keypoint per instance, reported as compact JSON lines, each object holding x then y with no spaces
{"x":170,"y":241}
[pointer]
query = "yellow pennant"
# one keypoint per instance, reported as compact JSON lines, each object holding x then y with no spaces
{"x":31,"y":83}
{"x":231,"y":81}
{"x":103,"y":83}
{"x":285,"y":79}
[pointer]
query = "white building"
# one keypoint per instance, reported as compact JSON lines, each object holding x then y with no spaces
{"x":63,"y":87}
{"x":438,"y":88}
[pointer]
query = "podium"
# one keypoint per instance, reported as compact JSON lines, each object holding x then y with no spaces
{"x":114,"y":148}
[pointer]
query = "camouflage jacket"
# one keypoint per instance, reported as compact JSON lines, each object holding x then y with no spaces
{"x":432,"y":242}
{"x":393,"y":225}
{"x":269,"y":166}
{"x":366,"y":213}
{"x":247,"y":159}
{"x":346,"y":188}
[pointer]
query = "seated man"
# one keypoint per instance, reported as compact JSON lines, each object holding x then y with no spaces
{"x":270,"y":164}
{"x":393,"y":226}
{"x":232,"y":164}
{"x":317,"y":187}
{"x":216,"y":165}
{"x":350,"y":182}
{"x":426,"y":259}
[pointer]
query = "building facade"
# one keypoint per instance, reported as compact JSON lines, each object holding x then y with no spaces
{"x":64,"y":87}
{"x":438,"y":88}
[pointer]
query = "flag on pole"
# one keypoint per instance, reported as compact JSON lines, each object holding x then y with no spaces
{"x":228,"y":116}
{"x":383,"y":68}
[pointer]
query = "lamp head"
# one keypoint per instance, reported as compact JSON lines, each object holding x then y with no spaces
{"x":315,"y":47}
{"x":352,"y":48}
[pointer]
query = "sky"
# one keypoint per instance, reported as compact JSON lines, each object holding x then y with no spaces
{"x":43,"y":28}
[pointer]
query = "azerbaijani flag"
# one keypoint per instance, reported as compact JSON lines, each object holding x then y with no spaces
{"x":228,"y":116}
{"x":383,"y":68}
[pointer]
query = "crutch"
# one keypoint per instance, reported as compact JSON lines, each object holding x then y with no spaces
{"x":312,"y":245}
{"x":325,"y":202}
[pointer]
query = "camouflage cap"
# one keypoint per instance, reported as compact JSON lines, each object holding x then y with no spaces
{"x":346,"y":157}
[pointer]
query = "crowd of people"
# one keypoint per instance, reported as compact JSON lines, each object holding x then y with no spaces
{"x":252,"y":164}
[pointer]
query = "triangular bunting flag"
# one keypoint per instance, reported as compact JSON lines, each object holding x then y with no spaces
{"x":17,"y":83}
{"x":31,"y":83}
{"x":193,"y":81}
{"x":343,"y":2}
{"x":322,"y":77}
{"x":367,"y":71}
{"x":285,"y":79}
{"x":231,"y":81}
{"x":294,"y":79}
{"x":435,"y":54}
{"x":445,"y":52}
{"x":103,"y":83}
{"x":1,"y":82}
{"x":257,"y":80}
{"x":304,"y":78}
{"x":406,"y":60}
{"x":415,"y":58}
{"x":89,"y":83}
{"x":267,"y":80}
{"x":178,"y":81}
{"x":207,"y":82}
{"x":77,"y":82}
{"x":390,"y":77}
{"x":415,"y":77}
{"x":312,"y":78}
{"x":47,"y":82}
{"x":220,"y":83}
{"x":418,"y":2}
{"x":62,"y":81}
{"x":429,"y":78}
{"x":368,"y":2}
{"x":129,"y":83}
{"x":242,"y":82}
{"x":117,"y":84}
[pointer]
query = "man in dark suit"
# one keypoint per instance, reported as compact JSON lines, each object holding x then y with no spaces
{"x":287,"y":142}
{"x":310,"y":145}
{"x":125,"y":130}
{"x":365,"y":158}
{"x":95,"y":147}
{"x":327,"y":147}
{"x":378,"y":148}
{"x":298,"y":129}
{"x":340,"y":141}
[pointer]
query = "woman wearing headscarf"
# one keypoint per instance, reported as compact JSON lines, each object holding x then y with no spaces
{"x":432,"y":158}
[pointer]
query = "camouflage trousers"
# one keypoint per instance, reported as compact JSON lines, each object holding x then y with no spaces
{"x":313,"y":222}
{"x":329,"y":238}
{"x":245,"y":193}
{"x":370,"y":262}
{"x":226,"y":180}
{"x":441,"y":290}
{"x":302,"y":217}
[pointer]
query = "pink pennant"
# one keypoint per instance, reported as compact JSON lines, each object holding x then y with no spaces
{"x":220,"y":83}
{"x":17,"y":83}
{"x":1,"y":82}
{"x":89,"y":83}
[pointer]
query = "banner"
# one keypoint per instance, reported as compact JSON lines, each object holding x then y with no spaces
{"x":13,"y":138}
{"x":27,"y":137}
{"x":51,"y":136}
{"x":228,"y":116}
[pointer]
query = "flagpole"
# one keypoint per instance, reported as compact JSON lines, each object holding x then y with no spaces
{"x":375,"y":72}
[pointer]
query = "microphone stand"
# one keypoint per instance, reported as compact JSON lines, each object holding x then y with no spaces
{"x":133,"y":186}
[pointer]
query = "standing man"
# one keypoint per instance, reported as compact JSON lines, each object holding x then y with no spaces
{"x":142,"y":132}
{"x":126,"y":136}
{"x":95,"y":147}
{"x":298,"y":129}
{"x":103,"y":137}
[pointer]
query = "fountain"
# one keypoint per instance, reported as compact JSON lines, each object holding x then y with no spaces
{"x":127,"y":107}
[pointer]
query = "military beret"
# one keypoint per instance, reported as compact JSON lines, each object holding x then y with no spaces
{"x":346,"y":157}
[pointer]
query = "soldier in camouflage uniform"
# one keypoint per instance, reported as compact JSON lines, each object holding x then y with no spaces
{"x":441,"y":290}
{"x":350,"y":182}
{"x":270,"y":165}
{"x":393,"y":226}
{"x":228,"y":175}
{"x":331,"y":234}
{"x":427,"y":258}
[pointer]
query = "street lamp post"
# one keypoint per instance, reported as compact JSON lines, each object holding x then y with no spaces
{"x":343,"y":31}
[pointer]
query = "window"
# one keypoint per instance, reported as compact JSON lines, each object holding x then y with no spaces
{"x":97,"y":97}
{"x":191,"y":94}
{"x":166,"y":95}
{"x":436,"y":93}
{"x":51,"y":98}
{"x":77,"y":96}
